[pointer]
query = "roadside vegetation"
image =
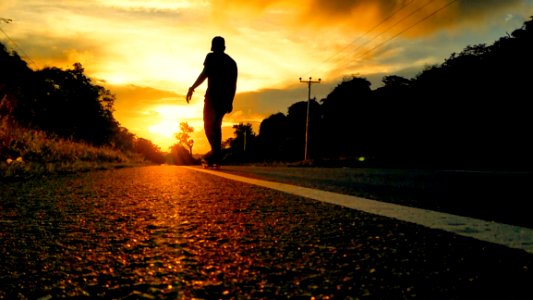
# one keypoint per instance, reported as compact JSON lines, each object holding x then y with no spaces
{"x":470,"y":112}
{"x":30,"y":152}
{"x":55,"y":121}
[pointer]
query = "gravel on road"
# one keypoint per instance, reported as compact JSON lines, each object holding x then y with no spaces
{"x":170,"y":233}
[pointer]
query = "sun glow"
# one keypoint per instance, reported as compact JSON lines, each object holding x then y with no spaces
{"x":173,"y":112}
{"x":166,"y":119}
{"x":165,"y":128}
{"x":115,"y":79}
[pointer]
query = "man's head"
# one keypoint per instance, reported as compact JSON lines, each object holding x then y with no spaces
{"x":218,"y":44}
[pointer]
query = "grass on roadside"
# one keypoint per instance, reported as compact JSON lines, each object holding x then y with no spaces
{"x":26,"y":152}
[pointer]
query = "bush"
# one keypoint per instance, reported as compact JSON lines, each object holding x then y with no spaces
{"x":27,"y":152}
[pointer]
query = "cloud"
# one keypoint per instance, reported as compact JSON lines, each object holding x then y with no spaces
{"x":137,"y":99}
{"x":135,"y":104}
{"x":6,"y":4}
{"x":482,"y":7}
{"x":360,"y":16}
{"x":145,"y":5}
{"x":271,"y":101}
{"x":143,"y":95}
{"x":330,"y":38}
{"x":62,"y":52}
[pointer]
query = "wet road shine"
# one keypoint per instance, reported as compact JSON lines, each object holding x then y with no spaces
{"x":172,"y":233}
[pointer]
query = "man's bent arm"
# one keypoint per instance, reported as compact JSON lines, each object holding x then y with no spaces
{"x":198,"y":81}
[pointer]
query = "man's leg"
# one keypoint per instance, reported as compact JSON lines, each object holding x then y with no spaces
{"x":213,"y":131}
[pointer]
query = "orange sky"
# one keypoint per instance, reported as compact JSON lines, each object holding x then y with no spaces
{"x":148,"y":52}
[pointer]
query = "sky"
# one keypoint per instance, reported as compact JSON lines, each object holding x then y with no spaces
{"x":148,"y":52}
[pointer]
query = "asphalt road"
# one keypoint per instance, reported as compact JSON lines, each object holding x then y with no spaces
{"x":173,"y":233}
{"x":504,"y":197}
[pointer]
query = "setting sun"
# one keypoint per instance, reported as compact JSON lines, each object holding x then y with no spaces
{"x":164,"y":128}
{"x":165,"y":120}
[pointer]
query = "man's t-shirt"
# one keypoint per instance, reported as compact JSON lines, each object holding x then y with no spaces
{"x":221,"y":71}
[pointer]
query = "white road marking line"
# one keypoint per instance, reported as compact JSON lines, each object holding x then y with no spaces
{"x":497,"y":233}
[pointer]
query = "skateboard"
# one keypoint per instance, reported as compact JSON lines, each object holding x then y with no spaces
{"x":206,"y":165}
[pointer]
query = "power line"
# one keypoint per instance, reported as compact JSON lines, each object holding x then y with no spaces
{"x":398,"y":22}
{"x":408,"y":28}
{"x":310,"y":81}
{"x":390,"y":27}
{"x":394,"y":13}
{"x":7,"y":21}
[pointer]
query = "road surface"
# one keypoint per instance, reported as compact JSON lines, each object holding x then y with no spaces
{"x":504,"y":197}
{"x":168,"y":232}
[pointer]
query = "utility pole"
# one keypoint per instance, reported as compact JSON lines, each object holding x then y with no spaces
{"x":309,"y":83}
{"x":244,"y":144}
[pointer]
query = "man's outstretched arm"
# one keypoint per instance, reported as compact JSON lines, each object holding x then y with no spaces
{"x":201,"y":78}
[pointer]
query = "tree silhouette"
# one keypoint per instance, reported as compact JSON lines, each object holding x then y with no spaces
{"x":72,"y":107}
{"x":62,"y":102}
{"x":180,"y":155}
{"x":273,"y":136}
{"x":17,"y":85}
{"x":296,"y":130}
{"x":150,"y":151}
{"x":65,"y":104}
{"x":184,"y":136}
{"x":242,"y":147}
{"x":345,"y":118}
{"x":471,"y":111}
{"x":124,"y":140}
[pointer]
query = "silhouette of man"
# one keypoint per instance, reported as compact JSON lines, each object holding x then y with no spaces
{"x":221,"y":73}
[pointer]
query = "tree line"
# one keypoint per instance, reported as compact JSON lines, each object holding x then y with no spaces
{"x":65,"y":104}
{"x":471,"y":111}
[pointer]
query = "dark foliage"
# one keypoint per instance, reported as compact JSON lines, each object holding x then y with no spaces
{"x":150,"y":151}
{"x":64,"y":104}
{"x":273,"y":138}
{"x":472,"y":111}
{"x":180,"y":155}
{"x":242,"y":147}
